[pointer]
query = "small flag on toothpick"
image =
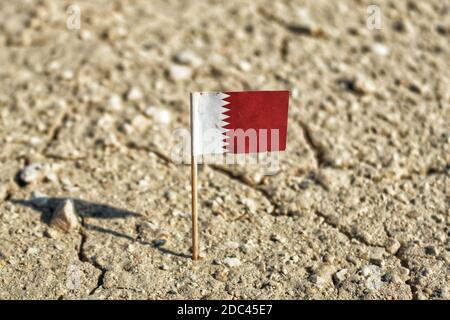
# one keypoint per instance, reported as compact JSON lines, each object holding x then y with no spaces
{"x":236,"y":123}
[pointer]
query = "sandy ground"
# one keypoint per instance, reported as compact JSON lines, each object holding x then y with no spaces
{"x":359,"y":210}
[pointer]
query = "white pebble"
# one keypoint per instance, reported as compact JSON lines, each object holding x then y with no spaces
{"x":245,"y":66}
{"x":135,"y":94}
{"x":115,"y":102}
{"x":250,"y":204}
{"x":232,"y":245}
{"x":370,"y":270}
{"x":189,"y":57}
{"x":140,"y":123}
{"x":380,"y":49}
{"x":160,"y":115}
{"x":179,"y":72}
{"x":32,"y":172}
{"x":232,"y":262}
{"x":67,"y":74}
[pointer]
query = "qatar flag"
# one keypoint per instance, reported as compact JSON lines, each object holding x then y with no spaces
{"x":239,"y":122}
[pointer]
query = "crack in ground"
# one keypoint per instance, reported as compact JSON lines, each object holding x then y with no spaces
{"x":54,"y":131}
{"x":318,"y":150}
{"x":83,"y":258}
{"x":404,"y":264}
{"x":158,"y":153}
{"x":298,"y":29}
{"x":241,"y":180}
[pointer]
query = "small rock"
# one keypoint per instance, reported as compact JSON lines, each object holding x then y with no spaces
{"x":134,"y":94}
{"x":392,"y":246}
{"x":31,"y":173}
{"x":277,"y":238}
{"x":179,"y":72}
{"x":65,"y":217}
{"x":374,"y":283}
{"x":105,"y":121}
{"x":170,"y":195}
{"x":221,"y":275}
{"x":181,"y":214}
{"x":359,"y":85}
{"x":115,"y":102}
{"x":160,"y":115}
{"x":140,"y":123}
{"x":322,"y":274}
{"x":188,"y":57}
{"x":370,"y":270}
{"x":143,"y":183}
{"x":37,"y":171}
{"x":67,"y":74}
{"x":32,"y":250}
{"x":250,"y":204}
{"x":232,"y":245}
{"x":245,"y":66}
{"x":340,"y":276}
{"x":232,"y":262}
{"x":51,"y":233}
{"x":39,"y":199}
{"x":380,"y":49}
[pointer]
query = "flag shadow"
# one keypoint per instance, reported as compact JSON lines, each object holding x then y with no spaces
{"x":93,"y":210}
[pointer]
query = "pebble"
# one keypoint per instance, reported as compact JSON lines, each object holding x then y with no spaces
{"x":340,"y":276}
{"x":65,"y":217}
{"x":232,"y":262}
{"x":392,"y":246}
{"x":189,"y":57}
{"x":67,"y":74}
{"x":250,"y":204}
{"x":380,"y":49}
{"x":144,"y":183}
{"x":370,"y":270}
{"x":232,"y":245}
{"x":179,"y":72}
{"x":140,"y":123}
{"x":39,"y":199}
{"x":51,"y":233}
{"x":134,"y":94}
{"x":277,"y":238}
{"x":181,"y":214}
{"x":322,"y":274}
{"x":245,"y":65}
{"x":358,"y":84}
{"x":160,"y":115}
{"x":32,"y":250}
{"x":31,"y":173}
{"x":115,"y":102}
{"x":221,"y":275}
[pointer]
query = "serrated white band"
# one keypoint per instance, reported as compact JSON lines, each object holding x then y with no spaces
{"x":207,"y":122}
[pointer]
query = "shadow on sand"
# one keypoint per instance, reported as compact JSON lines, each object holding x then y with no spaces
{"x":46,"y":207}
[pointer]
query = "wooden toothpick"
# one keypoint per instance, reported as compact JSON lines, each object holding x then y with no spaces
{"x":195,"y":245}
